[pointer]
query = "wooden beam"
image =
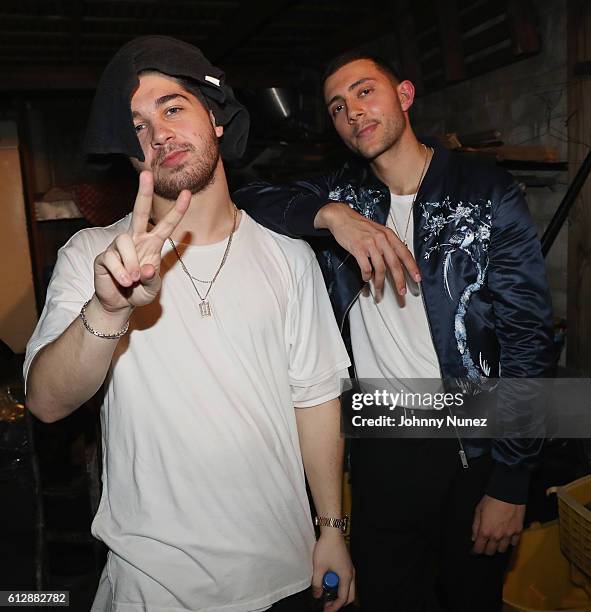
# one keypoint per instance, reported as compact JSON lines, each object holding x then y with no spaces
{"x":524,"y":33}
{"x":407,"y":48}
{"x":448,"y":20}
{"x":478,"y":14}
{"x":64,"y":78}
{"x":35,"y":239}
{"x":76,"y":30}
{"x":578,"y":354}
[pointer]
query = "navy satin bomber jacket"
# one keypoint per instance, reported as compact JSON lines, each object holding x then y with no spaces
{"x":483,"y":277}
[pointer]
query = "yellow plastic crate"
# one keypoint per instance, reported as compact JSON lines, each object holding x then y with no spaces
{"x":575,"y":525}
{"x":539,"y":577}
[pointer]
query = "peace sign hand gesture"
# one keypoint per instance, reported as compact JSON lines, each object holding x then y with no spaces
{"x":127,"y":273}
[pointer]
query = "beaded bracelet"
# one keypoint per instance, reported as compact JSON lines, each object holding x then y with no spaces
{"x":113,"y":336}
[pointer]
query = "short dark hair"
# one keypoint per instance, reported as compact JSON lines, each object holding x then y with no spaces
{"x":352,"y":56}
{"x":193,"y":87}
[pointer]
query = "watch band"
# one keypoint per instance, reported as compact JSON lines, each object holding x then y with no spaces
{"x":337,"y":523}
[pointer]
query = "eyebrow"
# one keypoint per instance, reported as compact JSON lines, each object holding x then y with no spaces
{"x":161,"y":101}
{"x":350,"y":88}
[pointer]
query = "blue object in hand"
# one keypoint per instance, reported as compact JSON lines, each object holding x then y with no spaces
{"x":330,"y":586}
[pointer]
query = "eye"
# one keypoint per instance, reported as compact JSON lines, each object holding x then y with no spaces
{"x":365,"y":91}
{"x":173,"y":110}
{"x":337,"y":109}
{"x":139,"y":127}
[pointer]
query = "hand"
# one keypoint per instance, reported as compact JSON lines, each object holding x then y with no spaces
{"x":496,"y":525}
{"x":127,"y":273}
{"x":331,"y":554}
{"x":375,"y":247}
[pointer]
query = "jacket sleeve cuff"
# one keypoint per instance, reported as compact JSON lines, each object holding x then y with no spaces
{"x":300,"y":215}
{"x":509,"y":484}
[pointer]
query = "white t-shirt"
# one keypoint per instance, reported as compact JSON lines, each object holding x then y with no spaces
{"x":391,"y":339}
{"x":204,"y":504}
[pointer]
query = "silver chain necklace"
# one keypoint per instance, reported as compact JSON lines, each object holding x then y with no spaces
{"x":413,"y":200}
{"x":204,"y":305}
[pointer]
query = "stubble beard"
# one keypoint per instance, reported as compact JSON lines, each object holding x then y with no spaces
{"x":393,"y":130}
{"x":195,"y":174}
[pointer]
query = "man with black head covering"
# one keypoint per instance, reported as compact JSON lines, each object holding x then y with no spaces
{"x":204,"y":330}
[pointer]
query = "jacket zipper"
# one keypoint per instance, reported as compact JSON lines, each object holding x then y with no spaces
{"x":461,"y":452}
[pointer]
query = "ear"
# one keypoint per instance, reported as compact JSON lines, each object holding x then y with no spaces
{"x":219,"y":129}
{"x":406,"y":94}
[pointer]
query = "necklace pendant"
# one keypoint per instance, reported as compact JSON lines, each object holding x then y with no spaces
{"x":205,"y":309}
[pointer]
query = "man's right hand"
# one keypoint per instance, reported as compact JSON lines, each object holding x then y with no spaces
{"x":375,"y":247}
{"x":127,"y":273}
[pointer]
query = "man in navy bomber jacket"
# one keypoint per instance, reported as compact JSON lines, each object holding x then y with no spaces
{"x":483,"y":311}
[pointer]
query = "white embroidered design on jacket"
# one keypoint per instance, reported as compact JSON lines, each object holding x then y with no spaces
{"x":468,"y":225}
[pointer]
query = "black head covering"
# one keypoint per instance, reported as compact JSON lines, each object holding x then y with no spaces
{"x":110,"y":126}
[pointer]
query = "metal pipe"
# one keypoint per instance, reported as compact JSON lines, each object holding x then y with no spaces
{"x":562,"y":211}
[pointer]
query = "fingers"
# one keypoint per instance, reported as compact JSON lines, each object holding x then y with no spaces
{"x":378,"y":248}
{"x":372,"y":259}
{"x":121,"y":261}
{"x":404,"y":255}
{"x":361,"y":236}
{"x":143,"y":203}
{"x":143,"y":208}
{"x":479,"y":539}
{"x":364,"y":265}
{"x":379,"y":271}
{"x":112,"y":263}
{"x":515,"y":539}
{"x":352,"y":593}
{"x":504,"y":544}
{"x":167,"y":224}
{"x":346,"y":595}
{"x":317,"y":584}
{"x":339,"y":602}
{"x":396,"y":271}
{"x":491,"y":547}
{"x":147,"y":274}
{"x":401,"y":264}
{"x":480,"y":545}
{"x":476,"y":524}
{"x":126,"y":250}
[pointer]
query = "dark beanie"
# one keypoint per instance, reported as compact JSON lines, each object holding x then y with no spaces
{"x":110,"y":127}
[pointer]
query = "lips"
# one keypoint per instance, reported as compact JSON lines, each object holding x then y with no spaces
{"x":366,"y":130}
{"x":174,"y":158}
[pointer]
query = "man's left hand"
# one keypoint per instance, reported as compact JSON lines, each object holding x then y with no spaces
{"x":331,"y":554}
{"x":497,"y":524}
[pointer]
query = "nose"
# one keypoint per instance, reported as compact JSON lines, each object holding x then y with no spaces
{"x":162,"y":134}
{"x":354,"y":111}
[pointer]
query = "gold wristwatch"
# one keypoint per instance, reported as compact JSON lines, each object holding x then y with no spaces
{"x":338,"y":523}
